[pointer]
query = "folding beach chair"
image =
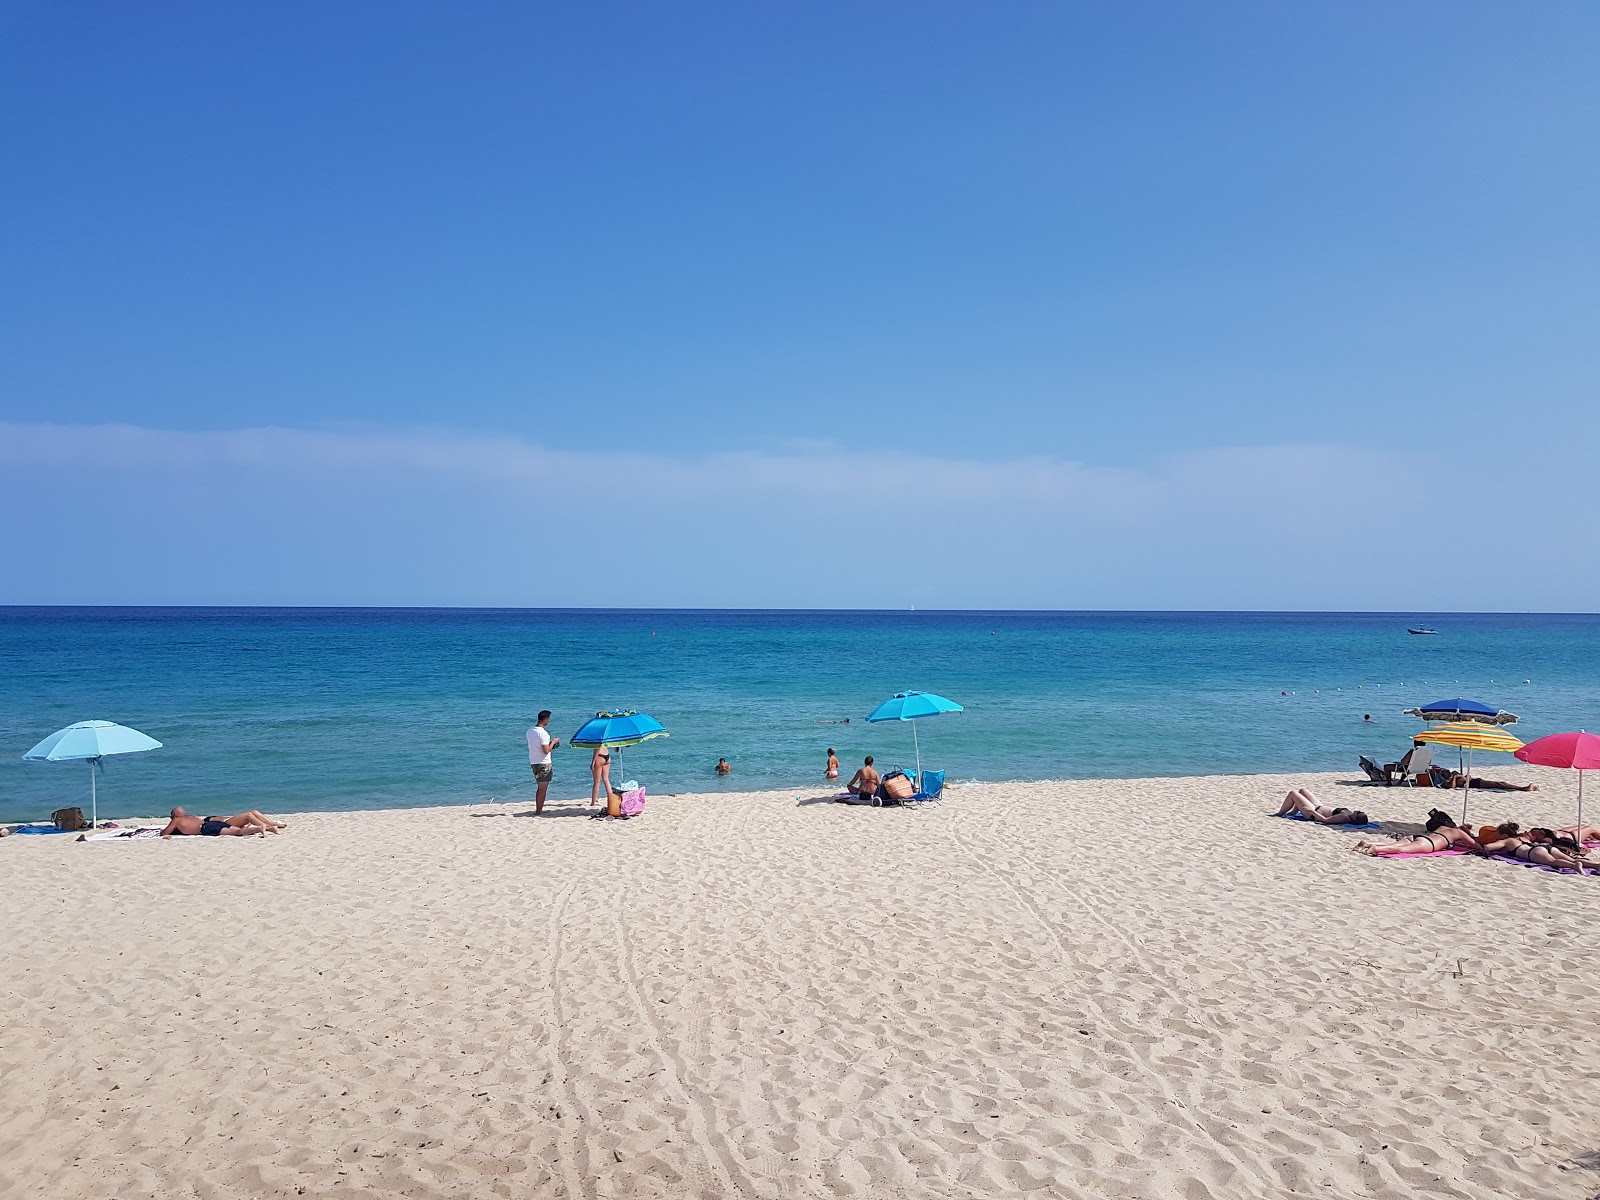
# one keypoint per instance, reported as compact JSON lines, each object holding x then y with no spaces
{"x":1413,"y":766}
{"x":1375,"y":773}
{"x":930,"y":786}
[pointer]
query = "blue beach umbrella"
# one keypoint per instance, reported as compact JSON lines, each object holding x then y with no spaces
{"x":912,"y":706}
{"x":91,"y":741}
{"x":616,"y":730}
{"x":1463,"y":710}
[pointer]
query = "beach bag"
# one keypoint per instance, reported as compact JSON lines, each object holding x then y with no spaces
{"x":898,"y":787}
{"x":613,"y":804}
{"x":633,"y":802}
{"x":69,"y":820}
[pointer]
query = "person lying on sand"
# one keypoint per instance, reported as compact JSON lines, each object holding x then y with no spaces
{"x":1536,"y":850}
{"x":183,"y":825}
{"x":1558,"y":840}
{"x":1493,"y":833}
{"x":1581,"y":833}
{"x":252,"y":821}
{"x":1442,"y":834}
{"x":1443,"y":777}
{"x":1303,"y":802}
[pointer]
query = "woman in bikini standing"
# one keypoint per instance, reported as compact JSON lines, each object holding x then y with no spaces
{"x":600,"y":768}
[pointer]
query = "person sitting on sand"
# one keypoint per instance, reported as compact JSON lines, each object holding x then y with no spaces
{"x":833,"y":765}
{"x":865,"y":781}
{"x":723,"y":768}
{"x":183,"y":825}
{"x":1442,"y":834}
{"x":1303,"y":802}
{"x":1444,"y":777}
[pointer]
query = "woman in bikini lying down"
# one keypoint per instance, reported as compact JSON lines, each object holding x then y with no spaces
{"x":1303,"y":802}
{"x":1542,"y":848}
{"x":1442,"y":834}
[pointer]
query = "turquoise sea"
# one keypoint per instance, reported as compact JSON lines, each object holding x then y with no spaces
{"x":317,"y":709}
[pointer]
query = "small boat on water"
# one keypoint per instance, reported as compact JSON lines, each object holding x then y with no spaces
{"x":1422,"y":629}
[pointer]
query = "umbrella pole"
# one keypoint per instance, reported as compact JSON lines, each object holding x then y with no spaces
{"x":1466,"y":788}
{"x":917,"y":746}
{"x":94,"y":810}
{"x":1579,"y":838}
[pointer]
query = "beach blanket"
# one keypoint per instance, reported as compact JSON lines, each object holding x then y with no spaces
{"x":1425,"y":854}
{"x":38,"y":828}
{"x":1517,"y":862}
{"x":1294,"y":816}
{"x":137,"y":831}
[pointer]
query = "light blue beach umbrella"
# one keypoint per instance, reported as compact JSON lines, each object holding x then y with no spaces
{"x":615,"y":730}
{"x":912,"y":706}
{"x":91,"y":741}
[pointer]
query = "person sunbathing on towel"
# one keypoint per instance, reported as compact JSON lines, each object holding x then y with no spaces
{"x":1581,"y":833}
{"x":251,"y":821}
{"x":1557,"y":839}
{"x":1443,"y":777}
{"x":864,"y":784}
{"x":1493,"y":833}
{"x":1534,"y":848}
{"x":1303,"y":802}
{"x":1442,"y":834}
{"x":183,"y":825}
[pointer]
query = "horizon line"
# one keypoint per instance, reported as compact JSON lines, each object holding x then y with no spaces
{"x":907,"y":611}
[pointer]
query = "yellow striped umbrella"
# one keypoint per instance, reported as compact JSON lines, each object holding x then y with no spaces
{"x":1467,"y":736}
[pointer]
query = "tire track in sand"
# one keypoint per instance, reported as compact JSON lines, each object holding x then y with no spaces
{"x":730,"y":1179}
{"x":1155,"y":1076}
{"x":572,"y":1150}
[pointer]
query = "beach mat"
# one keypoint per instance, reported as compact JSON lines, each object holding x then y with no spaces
{"x":1517,"y":862}
{"x":1294,"y":816}
{"x":37,"y":828}
{"x":142,"y":832}
{"x":1427,"y":854}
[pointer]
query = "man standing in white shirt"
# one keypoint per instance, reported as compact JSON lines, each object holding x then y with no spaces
{"x":540,"y":743}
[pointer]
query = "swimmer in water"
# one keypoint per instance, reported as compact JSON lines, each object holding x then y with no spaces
{"x":723,"y":768}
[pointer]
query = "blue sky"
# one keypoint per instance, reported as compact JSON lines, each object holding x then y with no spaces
{"x":1149,"y":305}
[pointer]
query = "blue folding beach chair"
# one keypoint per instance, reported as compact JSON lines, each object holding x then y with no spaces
{"x":930,"y":786}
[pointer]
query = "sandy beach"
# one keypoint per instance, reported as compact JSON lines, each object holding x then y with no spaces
{"x":1134,"y":988}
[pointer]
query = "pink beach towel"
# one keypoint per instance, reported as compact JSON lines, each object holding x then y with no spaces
{"x":633,"y":802}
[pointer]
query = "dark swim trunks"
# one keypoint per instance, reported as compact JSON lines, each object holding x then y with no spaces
{"x":212,"y":828}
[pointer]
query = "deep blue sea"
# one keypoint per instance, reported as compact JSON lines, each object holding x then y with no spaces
{"x":314,"y":709}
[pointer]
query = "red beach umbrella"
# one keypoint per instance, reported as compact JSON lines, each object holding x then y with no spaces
{"x":1578,"y":752}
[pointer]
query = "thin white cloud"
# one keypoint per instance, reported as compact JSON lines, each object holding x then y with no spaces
{"x":426,"y":516}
